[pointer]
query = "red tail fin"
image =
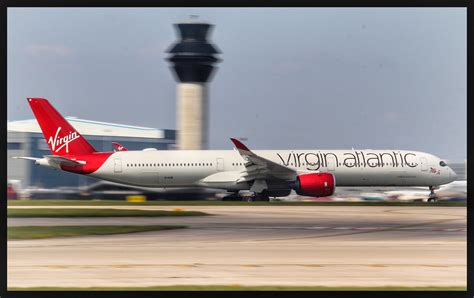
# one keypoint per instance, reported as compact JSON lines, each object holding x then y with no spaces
{"x":61,"y":137}
{"x":119,"y":147}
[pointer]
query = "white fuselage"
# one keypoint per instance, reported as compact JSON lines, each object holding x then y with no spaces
{"x":222,"y":168}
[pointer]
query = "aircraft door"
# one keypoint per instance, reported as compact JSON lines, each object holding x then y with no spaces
{"x":424,"y":164}
{"x":117,"y":165}
{"x":220,"y":164}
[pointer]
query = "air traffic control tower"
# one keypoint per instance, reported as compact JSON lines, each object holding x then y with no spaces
{"x":193,"y":59}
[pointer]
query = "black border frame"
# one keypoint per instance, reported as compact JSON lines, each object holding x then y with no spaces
{"x":242,"y":3}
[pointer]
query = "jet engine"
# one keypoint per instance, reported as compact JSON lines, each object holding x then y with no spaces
{"x":315,"y":184}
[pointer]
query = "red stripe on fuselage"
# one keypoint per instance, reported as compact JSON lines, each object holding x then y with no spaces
{"x":93,"y":162}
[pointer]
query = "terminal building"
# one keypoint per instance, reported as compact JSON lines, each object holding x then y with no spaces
{"x":24,"y":138}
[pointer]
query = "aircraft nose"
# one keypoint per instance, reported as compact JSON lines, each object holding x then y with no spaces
{"x":452,"y":175}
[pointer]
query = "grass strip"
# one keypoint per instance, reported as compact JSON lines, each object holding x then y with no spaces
{"x":224,"y":203}
{"x":241,"y":288}
{"x":41,"y":232}
{"x":45,"y":212}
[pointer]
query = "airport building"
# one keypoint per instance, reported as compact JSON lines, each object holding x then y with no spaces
{"x":26,"y":139}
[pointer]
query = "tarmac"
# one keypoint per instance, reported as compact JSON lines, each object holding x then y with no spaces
{"x":254,"y":245}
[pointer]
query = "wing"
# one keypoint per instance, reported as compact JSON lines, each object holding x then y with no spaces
{"x":258,"y":167}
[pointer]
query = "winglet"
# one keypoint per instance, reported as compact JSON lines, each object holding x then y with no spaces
{"x":238,"y":144}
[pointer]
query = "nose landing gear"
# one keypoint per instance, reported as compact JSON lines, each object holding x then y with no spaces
{"x":433,"y":198}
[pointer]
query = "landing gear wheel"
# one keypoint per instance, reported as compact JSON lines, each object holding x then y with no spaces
{"x":262,"y":197}
{"x":258,"y":197}
{"x":232,"y":197}
{"x":432,"y":197}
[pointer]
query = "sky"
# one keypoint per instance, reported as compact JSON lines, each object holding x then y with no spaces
{"x":290,"y":78}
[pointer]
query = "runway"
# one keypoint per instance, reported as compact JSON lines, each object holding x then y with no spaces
{"x":254,"y":245}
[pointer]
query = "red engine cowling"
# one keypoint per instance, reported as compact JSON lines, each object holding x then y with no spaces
{"x":315,"y":184}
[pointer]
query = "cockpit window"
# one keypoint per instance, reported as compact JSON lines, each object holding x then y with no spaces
{"x":442,"y":163}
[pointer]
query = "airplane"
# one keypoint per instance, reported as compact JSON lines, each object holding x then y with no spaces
{"x":258,"y":174}
{"x":118,"y":147}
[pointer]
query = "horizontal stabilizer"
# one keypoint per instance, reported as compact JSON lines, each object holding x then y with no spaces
{"x":53,"y":160}
{"x":64,"y":161}
{"x":27,"y":158}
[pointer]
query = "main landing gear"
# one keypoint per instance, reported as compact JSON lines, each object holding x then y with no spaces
{"x":433,"y":198}
{"x":249,"y":197}
{"x":261,"y":197}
